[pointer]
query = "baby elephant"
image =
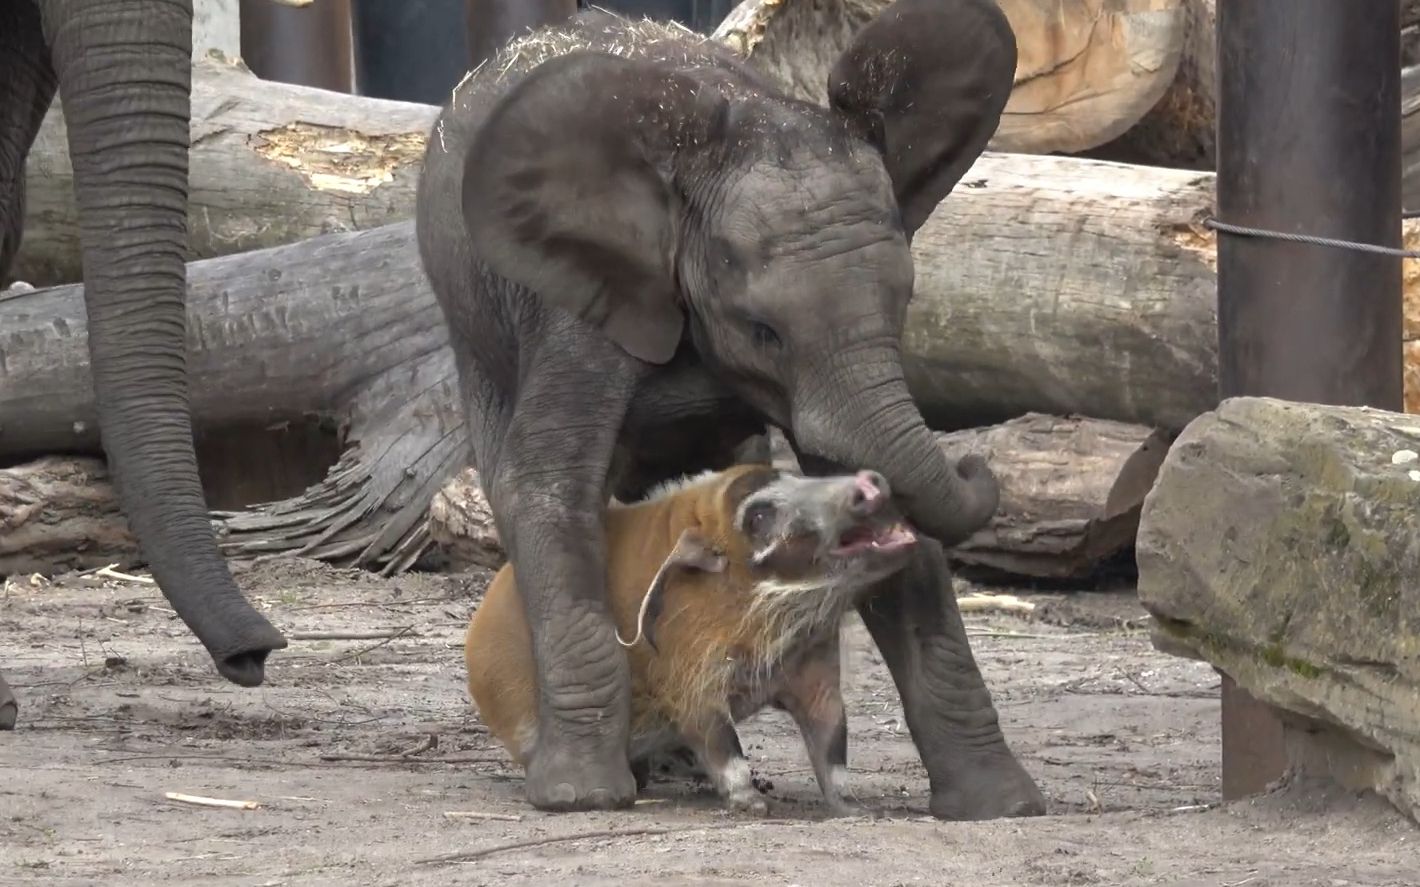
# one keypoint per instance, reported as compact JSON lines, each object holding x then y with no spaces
{"x":730,"y":587}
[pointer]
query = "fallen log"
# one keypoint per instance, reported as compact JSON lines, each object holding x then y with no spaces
{"x":1044,"y":284}
{"x":1280,"y":544}
{"x":1071,"y":491}
{"x":341,"y":328}
{"x":271,"y":163}
{"x":1086,"y":70}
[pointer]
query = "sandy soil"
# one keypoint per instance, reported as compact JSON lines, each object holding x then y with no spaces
{"x":120,"y":705}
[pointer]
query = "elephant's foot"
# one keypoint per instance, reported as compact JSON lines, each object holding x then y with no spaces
{"x":566,"y":777}
{"x":9,"y":708}
{"x":994,"y":788}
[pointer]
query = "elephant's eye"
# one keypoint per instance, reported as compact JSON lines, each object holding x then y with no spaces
{"x":764,"y":335}
{"x":758,"y":517}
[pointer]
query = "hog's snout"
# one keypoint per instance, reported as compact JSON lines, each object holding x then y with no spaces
{"x":870,"y":491}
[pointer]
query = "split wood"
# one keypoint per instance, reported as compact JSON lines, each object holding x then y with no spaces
{"x":472,"y":855}
{"x":109,"y":572}
{"x":475,"y":814}
{"x":211,"y":802}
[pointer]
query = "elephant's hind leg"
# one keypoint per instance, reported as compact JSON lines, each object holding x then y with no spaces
{"x":27,"y":85}
{"x":9,"y":708}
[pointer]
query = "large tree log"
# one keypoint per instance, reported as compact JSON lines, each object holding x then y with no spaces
{"x":1071,"y":491}
{"x":342,"y":327}
{"x":1282,"y":544}
{"x":1087,"y":70}
{"x":271,"y":163}
{"x":1044,"y":284}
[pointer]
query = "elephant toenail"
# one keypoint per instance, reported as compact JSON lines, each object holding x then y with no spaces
{"x":562,"y":793}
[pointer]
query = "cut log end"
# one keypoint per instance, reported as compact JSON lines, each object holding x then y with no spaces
{"x":1086,"y":72}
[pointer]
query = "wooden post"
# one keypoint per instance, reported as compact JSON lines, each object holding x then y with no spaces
{"x":492,"y":23}
{"x":1308,"y":142}
{"x":308,"y":45}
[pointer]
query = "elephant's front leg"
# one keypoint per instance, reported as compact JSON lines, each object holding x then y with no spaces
{"x":915,"y":621}
{"x":9,"y":708}
{"x":28,"y":88}
{"x":548,"y":496}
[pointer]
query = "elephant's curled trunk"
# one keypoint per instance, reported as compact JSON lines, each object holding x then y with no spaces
{"x":876,"y":425}
{"x":124,"y":75}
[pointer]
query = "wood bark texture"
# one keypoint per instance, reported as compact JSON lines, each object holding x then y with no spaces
{"x":1071,"y":491}
{"x":1280,"y":544}
{"x":59,"y":514}
{"x":271,"y":163}
{"x":1087,"y":70}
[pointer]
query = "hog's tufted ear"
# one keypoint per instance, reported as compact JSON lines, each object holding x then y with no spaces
{"x":570,"y":189}
{"x":691,"y":552}
{"x":926,"y":82}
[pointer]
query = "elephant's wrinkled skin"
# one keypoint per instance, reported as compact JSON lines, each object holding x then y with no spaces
{"x":643,"y":253}
{"x":124,"y":72}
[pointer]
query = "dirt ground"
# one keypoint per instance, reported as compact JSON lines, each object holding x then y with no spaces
{"x":120,"y":705}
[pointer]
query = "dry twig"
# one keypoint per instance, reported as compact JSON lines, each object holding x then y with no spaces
{"x":993,"y":603}
{"x":200,"y":801}
{"x":405,"y":759}
{"x":472,"y":855}
{"x":388,"y":634}
{"x":475,"y":814}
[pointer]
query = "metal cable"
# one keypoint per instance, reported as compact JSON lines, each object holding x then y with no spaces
{"x":1245,"y":231}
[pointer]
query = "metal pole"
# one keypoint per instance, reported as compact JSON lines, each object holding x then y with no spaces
{"x":1308,"y":142}
{"x":306,"y":45}
{"x":492,"y":23}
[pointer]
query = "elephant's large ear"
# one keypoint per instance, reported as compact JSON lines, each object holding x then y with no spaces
{"x":570,"y":189}
{"x":926,"y":82}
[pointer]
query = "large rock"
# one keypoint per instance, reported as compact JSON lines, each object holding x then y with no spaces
{"x":1281,"y":542}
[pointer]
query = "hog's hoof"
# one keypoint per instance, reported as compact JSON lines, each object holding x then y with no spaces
{"x":559,"y":781}
{"x":749,"y":804}
{"x":998,"y":791}
{"x":853,"y":810}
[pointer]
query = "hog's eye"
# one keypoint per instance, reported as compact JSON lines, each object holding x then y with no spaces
{"x":758,"y":518}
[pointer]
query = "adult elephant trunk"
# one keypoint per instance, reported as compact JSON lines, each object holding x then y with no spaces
{"x":856,"y":412}
{"x":124,"y":75}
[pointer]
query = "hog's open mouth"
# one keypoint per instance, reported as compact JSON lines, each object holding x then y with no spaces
{"x":878,"y":538}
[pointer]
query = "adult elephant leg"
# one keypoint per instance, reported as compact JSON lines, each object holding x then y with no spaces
{"x":9,"y":708}
{"x":548,"y":496}
{"x":124,"y":73}
{"x":915,"y":623}
{"x":29,"y":86}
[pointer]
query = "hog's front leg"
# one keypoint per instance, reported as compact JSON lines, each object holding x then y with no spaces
{"x":813,"y":697}
{"x":720,"y":753}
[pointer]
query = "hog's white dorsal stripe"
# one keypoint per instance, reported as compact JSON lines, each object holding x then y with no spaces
{"x":666,"y":489}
